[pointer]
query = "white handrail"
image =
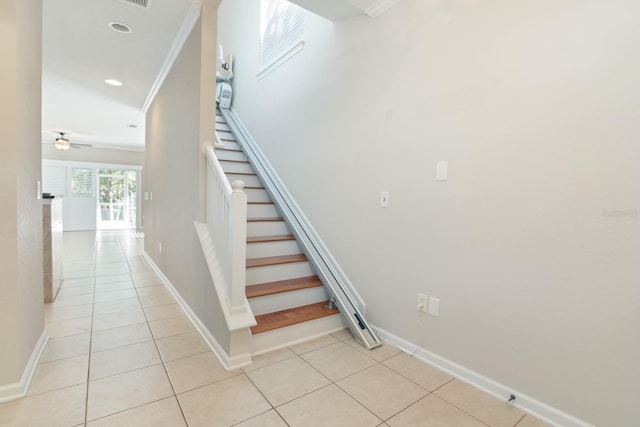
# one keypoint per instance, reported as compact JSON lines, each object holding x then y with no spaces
{"x":226,"y":225}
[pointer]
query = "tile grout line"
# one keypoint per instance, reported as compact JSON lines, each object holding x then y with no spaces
{"x":86,"y":399}
{"x":520,"y":420}
{"x":161,"y":360}
{"x":367,"y":408}
{"x":155,"y":343}
{"x":377,"y":361}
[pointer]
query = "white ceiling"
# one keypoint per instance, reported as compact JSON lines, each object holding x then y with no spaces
{"x":81,"y":51}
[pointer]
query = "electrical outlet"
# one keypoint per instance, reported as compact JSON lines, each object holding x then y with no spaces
{"x":422,"y":303}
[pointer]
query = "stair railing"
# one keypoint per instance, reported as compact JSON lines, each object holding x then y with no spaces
{"x":335,"y":281}
{"x":224,"y":240}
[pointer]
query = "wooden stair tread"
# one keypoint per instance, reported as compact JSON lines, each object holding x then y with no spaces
{"x":229,"y":149}
{"x":292,"y":316}
{"x":240,"y":173}
{"x":263,"y":239}
{"x":259,"y":203}
{"x":275,"y":260}
{"x":253,"y":187}
{"x":264,"y":219}
{"x":280,"y":286}
{"x":228,"y":140}
{"x":233,"y":161}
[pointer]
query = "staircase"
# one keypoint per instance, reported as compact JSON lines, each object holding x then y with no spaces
{"x":288,"y":300}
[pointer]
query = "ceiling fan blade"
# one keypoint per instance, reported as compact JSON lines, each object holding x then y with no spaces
{"x":79,"y":145}
{"x":67,"y":133}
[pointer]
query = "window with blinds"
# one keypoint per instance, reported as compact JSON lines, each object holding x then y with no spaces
{"x":281,"y":34}
{"x":54,"y":180}
{"x":81,"y":182}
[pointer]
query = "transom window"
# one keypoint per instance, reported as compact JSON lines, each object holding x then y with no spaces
{"x":281,"y":33}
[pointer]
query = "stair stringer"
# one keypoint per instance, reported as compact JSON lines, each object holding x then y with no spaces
{"x":335,"y":281}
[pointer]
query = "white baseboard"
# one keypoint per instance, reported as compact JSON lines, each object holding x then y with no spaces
{"x":526,"y":403}
{"x":19,"y":390}
{"x":227,"y":361}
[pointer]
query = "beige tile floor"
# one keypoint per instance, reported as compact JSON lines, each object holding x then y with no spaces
{"x":122,"y":353}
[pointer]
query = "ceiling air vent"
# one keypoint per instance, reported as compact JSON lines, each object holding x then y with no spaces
{"x":141,"y":3}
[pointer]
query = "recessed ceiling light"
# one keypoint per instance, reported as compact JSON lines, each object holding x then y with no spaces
{"x":113,"y":82}
{"x":120,"y":27}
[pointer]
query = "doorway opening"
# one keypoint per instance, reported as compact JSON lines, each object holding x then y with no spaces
{"x":117,"y":199}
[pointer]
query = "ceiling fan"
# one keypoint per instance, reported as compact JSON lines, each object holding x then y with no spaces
{"x":62,"y":143}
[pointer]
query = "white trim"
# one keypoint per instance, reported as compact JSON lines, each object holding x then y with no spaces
{"x":236,"y":317}
{"x":547,"y":413}
{"x":379,"y":7}
{"x":229,"y":362}
{"x":183,"y":34}
{"x":19,"y":390}
{"x":290,"y":53}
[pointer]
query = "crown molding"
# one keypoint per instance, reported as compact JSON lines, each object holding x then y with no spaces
{"x":379,"y":7}
{"x":185,"y":30}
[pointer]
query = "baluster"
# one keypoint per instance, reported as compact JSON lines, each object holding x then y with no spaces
{"x":238,"y":242}
{"x":227,"y":225}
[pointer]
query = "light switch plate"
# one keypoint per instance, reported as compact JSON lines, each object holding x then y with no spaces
{"x":442,"y":171}
{"x":422,"y":303}
{"x":384,"y":199}
{"x":434,"y":307}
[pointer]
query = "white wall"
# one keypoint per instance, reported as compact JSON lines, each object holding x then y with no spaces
{"x":535,"y":106}
{"x":172,"y":157}
{"x":21,"y":289}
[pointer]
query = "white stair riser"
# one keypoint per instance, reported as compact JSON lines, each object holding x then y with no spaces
{"x":294,"y":334}
{"x":222,"y":126}
{"x":272,"y":273}
{"x":229,"y":144}
{"x":225,"y":133}
{"x":267,"y":228}
{"x":256,"y":195}
{"x":237,"y":167}
{"x":265,"y":249}
{"x":262,"y":211}
{"x":286,"y":300}
{"x":249,"y":180}
{"x":230,"y":155}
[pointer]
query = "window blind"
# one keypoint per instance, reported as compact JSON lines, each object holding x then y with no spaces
{"x":54,"y":180}
{"x":281,"y":33}
{"x":81,"y":182}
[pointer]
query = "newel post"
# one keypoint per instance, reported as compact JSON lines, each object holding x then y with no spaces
{"x":238,"y":245}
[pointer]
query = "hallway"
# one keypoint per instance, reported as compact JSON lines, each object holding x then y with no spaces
{"x":123,"y":353}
